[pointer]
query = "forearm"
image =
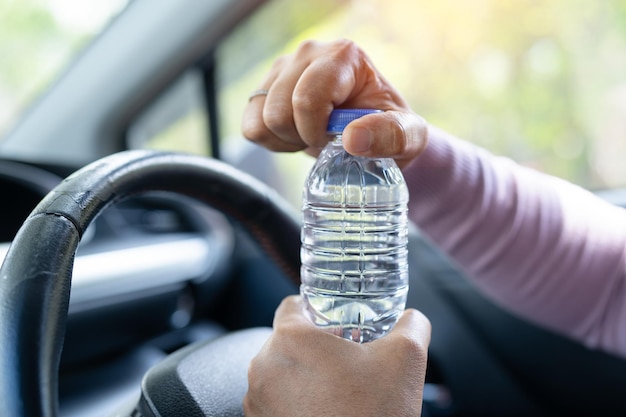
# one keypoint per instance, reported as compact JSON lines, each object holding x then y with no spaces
{"x":544,"y":248}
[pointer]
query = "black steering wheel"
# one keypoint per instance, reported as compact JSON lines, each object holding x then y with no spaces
{"x":35,"y":280}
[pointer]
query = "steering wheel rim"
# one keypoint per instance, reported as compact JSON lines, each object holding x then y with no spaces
{"x":35,"y":278}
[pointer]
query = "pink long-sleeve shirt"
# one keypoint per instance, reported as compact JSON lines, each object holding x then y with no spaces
{"x":543,"y":248}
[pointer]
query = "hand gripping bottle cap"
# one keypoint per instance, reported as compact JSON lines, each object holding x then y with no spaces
{"x":340,"y":118}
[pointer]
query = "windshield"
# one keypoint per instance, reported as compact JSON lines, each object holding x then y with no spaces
{"x":38,"y":38}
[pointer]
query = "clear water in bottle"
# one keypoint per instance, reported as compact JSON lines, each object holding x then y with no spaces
{"x":354,"y":240}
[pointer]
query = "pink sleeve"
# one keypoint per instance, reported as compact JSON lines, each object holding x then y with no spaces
{"x":542,"y":248}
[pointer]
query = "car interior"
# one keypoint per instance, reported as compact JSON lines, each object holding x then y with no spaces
{"x":146,"y":244}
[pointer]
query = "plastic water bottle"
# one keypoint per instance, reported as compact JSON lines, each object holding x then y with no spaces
{"x":354,"y":239}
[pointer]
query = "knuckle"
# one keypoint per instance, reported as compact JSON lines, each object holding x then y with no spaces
{"x":398,"y":143}
{"x":253,"y":369}
{"x":307,"y":47}
{"x":304,"y":101}
{"x":414,"y":348}
{"x":348,"y":52}
{"x":277,"y":119}
{"x":419,"y":137}
{"x":254,"y":132}
{"x":338,"y":48}
{"x":286,"y":331}
{"x":281,"y":61}
{"x":346,"y":46}
{"x":408,"y":133}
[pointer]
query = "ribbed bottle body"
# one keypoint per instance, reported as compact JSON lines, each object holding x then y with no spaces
{"x":354,"y":244}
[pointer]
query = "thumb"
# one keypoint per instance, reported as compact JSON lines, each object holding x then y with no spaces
{"x":392,"y":134}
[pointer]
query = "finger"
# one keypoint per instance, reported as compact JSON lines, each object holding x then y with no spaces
{"x":324,"y":85}
{"x":342,"y":77}
{"x":278,"y":109}
{"x":318,"y":78}
{"x":253,"y":124}
{"x":270,"y":121}
{"x":401,"y":135}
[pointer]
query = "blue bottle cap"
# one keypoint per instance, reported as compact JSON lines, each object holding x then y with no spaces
{"x":339,"y":118}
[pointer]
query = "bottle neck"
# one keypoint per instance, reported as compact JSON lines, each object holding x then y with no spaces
{"x":335,"y":138}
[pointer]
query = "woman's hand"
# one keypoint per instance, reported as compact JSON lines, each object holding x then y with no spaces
{"x":302,"y":90}
{"x":303,"y":371}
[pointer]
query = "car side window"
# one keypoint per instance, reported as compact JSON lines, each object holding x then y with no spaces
{"x":527,"y":91}
{"x":242,"y":59}
{"x":177,"y":120}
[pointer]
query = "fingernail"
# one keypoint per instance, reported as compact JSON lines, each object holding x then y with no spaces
{"x":360,"y":140}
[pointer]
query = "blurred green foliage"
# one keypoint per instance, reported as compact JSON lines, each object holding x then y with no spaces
{"x":36,"y":44}
{"x":540,"y":81}
{"x":529,"y":79}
